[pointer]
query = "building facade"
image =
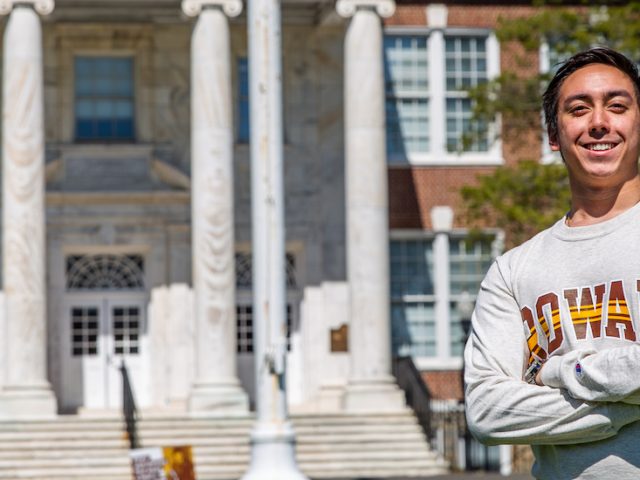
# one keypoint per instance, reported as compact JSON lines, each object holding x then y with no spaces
{"x":131,"y":229}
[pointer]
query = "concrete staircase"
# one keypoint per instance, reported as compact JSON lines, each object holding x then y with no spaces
{"x":329,"y":446}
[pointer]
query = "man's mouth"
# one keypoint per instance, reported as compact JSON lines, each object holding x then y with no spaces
{"x":600,"y":147}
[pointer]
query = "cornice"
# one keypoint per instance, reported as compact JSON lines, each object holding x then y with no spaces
{"x":348,"y":8}
{"x":43,"y":7}
{"x":231,"y":8}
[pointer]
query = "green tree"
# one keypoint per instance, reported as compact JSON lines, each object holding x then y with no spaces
{"x":521,"y":200}
{"x":516,"y":96}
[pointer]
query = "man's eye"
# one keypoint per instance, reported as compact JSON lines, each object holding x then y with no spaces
{"x":618,"y":107}
{"x":578,"y":109}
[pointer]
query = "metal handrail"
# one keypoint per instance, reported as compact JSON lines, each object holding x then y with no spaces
{"x":129,"y":410}
{"x":416,"y":392}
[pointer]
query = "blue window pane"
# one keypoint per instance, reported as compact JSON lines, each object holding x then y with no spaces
{"x":389,"y":42}
{"x":243,"y":101}
{"x":121,"y":87}
{"x":123,"y":109}
{"x":124,"y":129}
{"x":103,"y":87}
{"x":406,"y":65}
{"x":84,"y":109}
{"x":104,"y":66}
{"x":243,"y":130}
{"x":104,"y":128}
{"x":104,"y":98}
{"x":121,"y":67}
{"x":83,"y":86}
{"x":84,"y":129}
{"x":104,"y":109}
{"x":82,"y":66}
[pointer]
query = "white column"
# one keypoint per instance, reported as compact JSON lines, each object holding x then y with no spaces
{"x":26,"y":390}
{"x":371,"y":385}
{"x":216,"y":386}
{"x":272,"y":438}
{"x":442,"y":221}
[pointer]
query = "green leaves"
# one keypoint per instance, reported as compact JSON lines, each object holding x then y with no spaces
{"x":521,"y":200}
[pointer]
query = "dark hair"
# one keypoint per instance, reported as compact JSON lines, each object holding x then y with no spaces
{"x":598,"y":55}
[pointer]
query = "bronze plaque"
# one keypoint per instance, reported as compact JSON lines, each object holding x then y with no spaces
{"x":340,"y":339}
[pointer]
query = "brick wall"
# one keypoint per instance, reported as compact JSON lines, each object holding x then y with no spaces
{"x":414,"y":191}
{"x":445,"y":384}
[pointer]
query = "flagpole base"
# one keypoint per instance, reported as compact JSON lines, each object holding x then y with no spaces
{"x":273,"y":455}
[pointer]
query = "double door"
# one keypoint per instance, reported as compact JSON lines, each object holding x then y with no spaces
{"x":103,"y":333}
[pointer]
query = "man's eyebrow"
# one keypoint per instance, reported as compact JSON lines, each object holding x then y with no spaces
{"x":608,"y":96}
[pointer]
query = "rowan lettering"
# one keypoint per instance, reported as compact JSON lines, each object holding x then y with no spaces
{"x":604,"y":309}
{"x":588,"y":312}
{"x":618,"y":313}
{"x":532,"y":336}
{"x":550,"y":300}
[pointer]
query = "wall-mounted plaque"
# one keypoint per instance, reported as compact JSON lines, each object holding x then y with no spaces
{"x":340,"y":339}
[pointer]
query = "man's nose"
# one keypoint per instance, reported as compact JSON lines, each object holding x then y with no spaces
{"x":599,"y":123}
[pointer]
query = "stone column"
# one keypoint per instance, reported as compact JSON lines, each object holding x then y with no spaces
{"x":371,"y":385}
{"x":216,"y":385}
{"x":26,"y":390}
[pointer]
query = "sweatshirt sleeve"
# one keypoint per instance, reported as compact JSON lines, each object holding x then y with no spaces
{"x":501,"y":407}
{"x":606,"y":376}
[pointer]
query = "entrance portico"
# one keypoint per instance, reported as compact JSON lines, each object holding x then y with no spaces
{"x":214,"y":158}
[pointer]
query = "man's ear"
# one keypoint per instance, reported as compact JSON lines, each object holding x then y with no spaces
{"x":553,"y":142}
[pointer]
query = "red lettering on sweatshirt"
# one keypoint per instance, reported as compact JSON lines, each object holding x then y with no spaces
{"x":618,"y":313}
{"x":531,"y":334}
{"x":550,"y":299}
{"x":588,"y":312}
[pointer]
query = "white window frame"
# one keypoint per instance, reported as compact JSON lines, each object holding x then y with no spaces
{"x":438,"y":362}
{"x":438,"y":154}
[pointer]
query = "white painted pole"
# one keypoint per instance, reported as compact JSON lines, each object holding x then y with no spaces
{"x":272,"y":438}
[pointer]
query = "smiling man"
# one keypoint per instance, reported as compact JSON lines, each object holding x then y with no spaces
{"x":553,"y":359}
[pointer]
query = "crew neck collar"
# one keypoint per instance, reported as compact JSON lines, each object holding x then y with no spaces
{"x":564,"y":232}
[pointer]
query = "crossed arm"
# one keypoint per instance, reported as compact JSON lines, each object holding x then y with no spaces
{"x":603,"y":376}
{"x":502,"y":408}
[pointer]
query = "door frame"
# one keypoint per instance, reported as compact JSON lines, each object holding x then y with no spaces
{"x":74,"y":393}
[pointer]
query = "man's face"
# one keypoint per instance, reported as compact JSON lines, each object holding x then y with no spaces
{"x":598,"y":127}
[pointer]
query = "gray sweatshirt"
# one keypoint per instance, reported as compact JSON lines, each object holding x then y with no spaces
{"x":569,"y":298}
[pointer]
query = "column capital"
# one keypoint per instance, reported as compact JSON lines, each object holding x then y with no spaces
{"x":43,"y":7}
{"x":347,"y":8}
{"x":231,"y":8}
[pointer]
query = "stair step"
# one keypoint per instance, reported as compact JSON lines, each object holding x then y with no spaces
{"x":327,"y":446}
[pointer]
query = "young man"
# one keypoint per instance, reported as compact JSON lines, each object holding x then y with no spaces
{"x":553,"y":359}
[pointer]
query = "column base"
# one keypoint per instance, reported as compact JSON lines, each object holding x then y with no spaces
{"x":273,"y":455}
{"x":380,"y":395}
{"x":28,"y":402}
{"x":227,"y":398}
{"x":331,"y":397}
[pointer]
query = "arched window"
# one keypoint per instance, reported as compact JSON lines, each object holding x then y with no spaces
{"x":105,"y":272}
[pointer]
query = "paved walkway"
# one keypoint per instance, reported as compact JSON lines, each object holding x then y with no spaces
{"x":470,"y":476}
{"x":480,"y":476}
{"x":463,"y":476}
